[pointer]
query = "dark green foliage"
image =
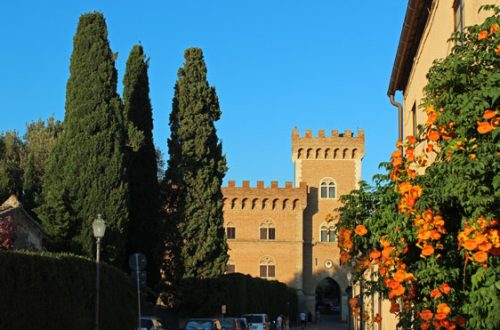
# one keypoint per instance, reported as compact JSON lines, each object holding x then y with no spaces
{"x":40,"y":138}
{"x":56,"y":291}
{"x":240,"y":293}
{"x":195,"y":171}
{"x":145,"y":228}
{"x":11,"y":173}
{"x":86,"y":174}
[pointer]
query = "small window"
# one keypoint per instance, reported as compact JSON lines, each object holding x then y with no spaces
{"x":327,"y":189}
{"x":267,"y":268}
{"x":230,"y":268}
{"x":327,"y":233}
{"x":267,"y":231}
{"x":231,"y":233}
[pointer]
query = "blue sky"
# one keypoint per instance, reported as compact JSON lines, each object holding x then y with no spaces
{"x":275,"y":64}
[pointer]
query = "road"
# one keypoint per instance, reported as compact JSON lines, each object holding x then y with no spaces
{"x":326,"y":322}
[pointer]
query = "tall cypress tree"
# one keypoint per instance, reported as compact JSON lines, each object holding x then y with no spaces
{"x":86,"y":173}
{"x":144,"y":230}
{"x":195,"y":171}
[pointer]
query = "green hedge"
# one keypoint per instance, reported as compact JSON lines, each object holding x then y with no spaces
{"x":240,"y":293}
{"x":57,"y":291}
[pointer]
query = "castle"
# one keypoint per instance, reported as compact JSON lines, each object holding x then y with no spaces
{"x":285,"y":233}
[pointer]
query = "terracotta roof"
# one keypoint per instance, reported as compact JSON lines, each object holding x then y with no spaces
{"x":417,"y":13}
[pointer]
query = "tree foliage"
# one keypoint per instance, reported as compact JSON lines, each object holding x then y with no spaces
{"x":195,"y":171}
{"x":11,"y":172}
{"x":145,"y":227}
{"x":433,"y":239}
{"x":86,"y":174}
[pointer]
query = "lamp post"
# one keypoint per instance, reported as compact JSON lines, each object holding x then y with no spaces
{"x":99,"y":227}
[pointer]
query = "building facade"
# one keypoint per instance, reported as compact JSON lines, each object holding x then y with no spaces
{"x":286,"y":233}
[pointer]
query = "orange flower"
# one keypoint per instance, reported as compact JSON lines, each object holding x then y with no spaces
{"x":497,"y":50}
{"x":445,"y":288}
{"x":484,"y":127}
{"x":426,"y":315}
{"x":480,"y":256}
{"x":431,"y":119}
{"x":444,"y":308}
{"x":482,"y":35}
{"x":361,"y":230}
{"x":433,"y":135}
{"x":425,"y":325}
{"x":488,"y":114}
{"x":353,"y":302}
{"x":377,"y":318}
{"x":344,"y":257}
{"x":470,"y":244}
{"x":411,"y":139}
{"x":440,"y":316}
{"x":494,"y":28}
{"x":386,"y":252}
{"x":394,"y":307}
{"x":485,"y":246}
{"x":435,"y":294}
{"x":427,"y":250}
{"x":375,"y":254}
{"x":348,"y":244}
{"x":398,"y":291}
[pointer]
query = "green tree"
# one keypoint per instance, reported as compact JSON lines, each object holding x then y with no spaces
{"x":145,"y":227}
{"x":86,"y":173}
{"x":40,"y":138}
{"x":195,"y":171}
{"x":11,"y":172}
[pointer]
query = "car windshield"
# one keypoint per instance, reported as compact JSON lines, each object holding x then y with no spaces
{"x":199,"y":325}
{"x":228,"y":324}
{"x":254,"y":318}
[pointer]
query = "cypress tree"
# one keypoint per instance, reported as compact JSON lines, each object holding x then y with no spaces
{"x":195,"y":171}
{"x":144,"y":228}
{"x":86,"y":174}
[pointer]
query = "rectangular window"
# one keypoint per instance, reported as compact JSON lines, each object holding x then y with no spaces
{"x":272,"y":233}
{"x":263,"y":271}
{"x":231,"y":232}
{"x":324,"y":191}
{"x":331,"y":191}
{"x":263,"y":233}
{"x":230,"y":269}
{"x":414,"y":120}
{"x":331,"y":237}
{"x":270,"y":271}
{"x":323,"y":235}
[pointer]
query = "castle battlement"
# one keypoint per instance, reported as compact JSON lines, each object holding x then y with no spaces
{"x":336,"y":146}
{"x":260,"y":197}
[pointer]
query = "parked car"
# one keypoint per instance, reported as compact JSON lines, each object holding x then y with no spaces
{"x":243,"y":323}
{"x":257,"y":321}
{"x":230,"y":323}
{"x":151,"y":323}
{"x":203,"y":324}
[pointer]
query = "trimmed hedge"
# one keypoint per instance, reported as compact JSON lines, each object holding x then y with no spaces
{"x":57,"y":291}
{"x":240,"y":293}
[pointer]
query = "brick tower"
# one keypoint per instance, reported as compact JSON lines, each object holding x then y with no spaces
{"x":330,"y":166}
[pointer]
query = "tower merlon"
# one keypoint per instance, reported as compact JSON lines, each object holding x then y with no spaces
{"x":344,"y":145}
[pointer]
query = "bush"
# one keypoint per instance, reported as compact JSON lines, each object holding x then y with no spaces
{"x":57,"y":291}
{"x":240,"y":293}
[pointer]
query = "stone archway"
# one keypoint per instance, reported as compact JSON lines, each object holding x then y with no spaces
{"x":328,"y":297}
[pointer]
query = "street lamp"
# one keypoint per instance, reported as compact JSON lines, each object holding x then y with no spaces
{"x":99,"y":227}
{"x":349,"y":296}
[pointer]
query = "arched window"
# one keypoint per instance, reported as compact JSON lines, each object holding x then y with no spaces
{"x":327,"y":234}
{"x":267,"y":230}
{"x":230,"y":231}
{"x":327,"y":189}
{"x":267,"y":267}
